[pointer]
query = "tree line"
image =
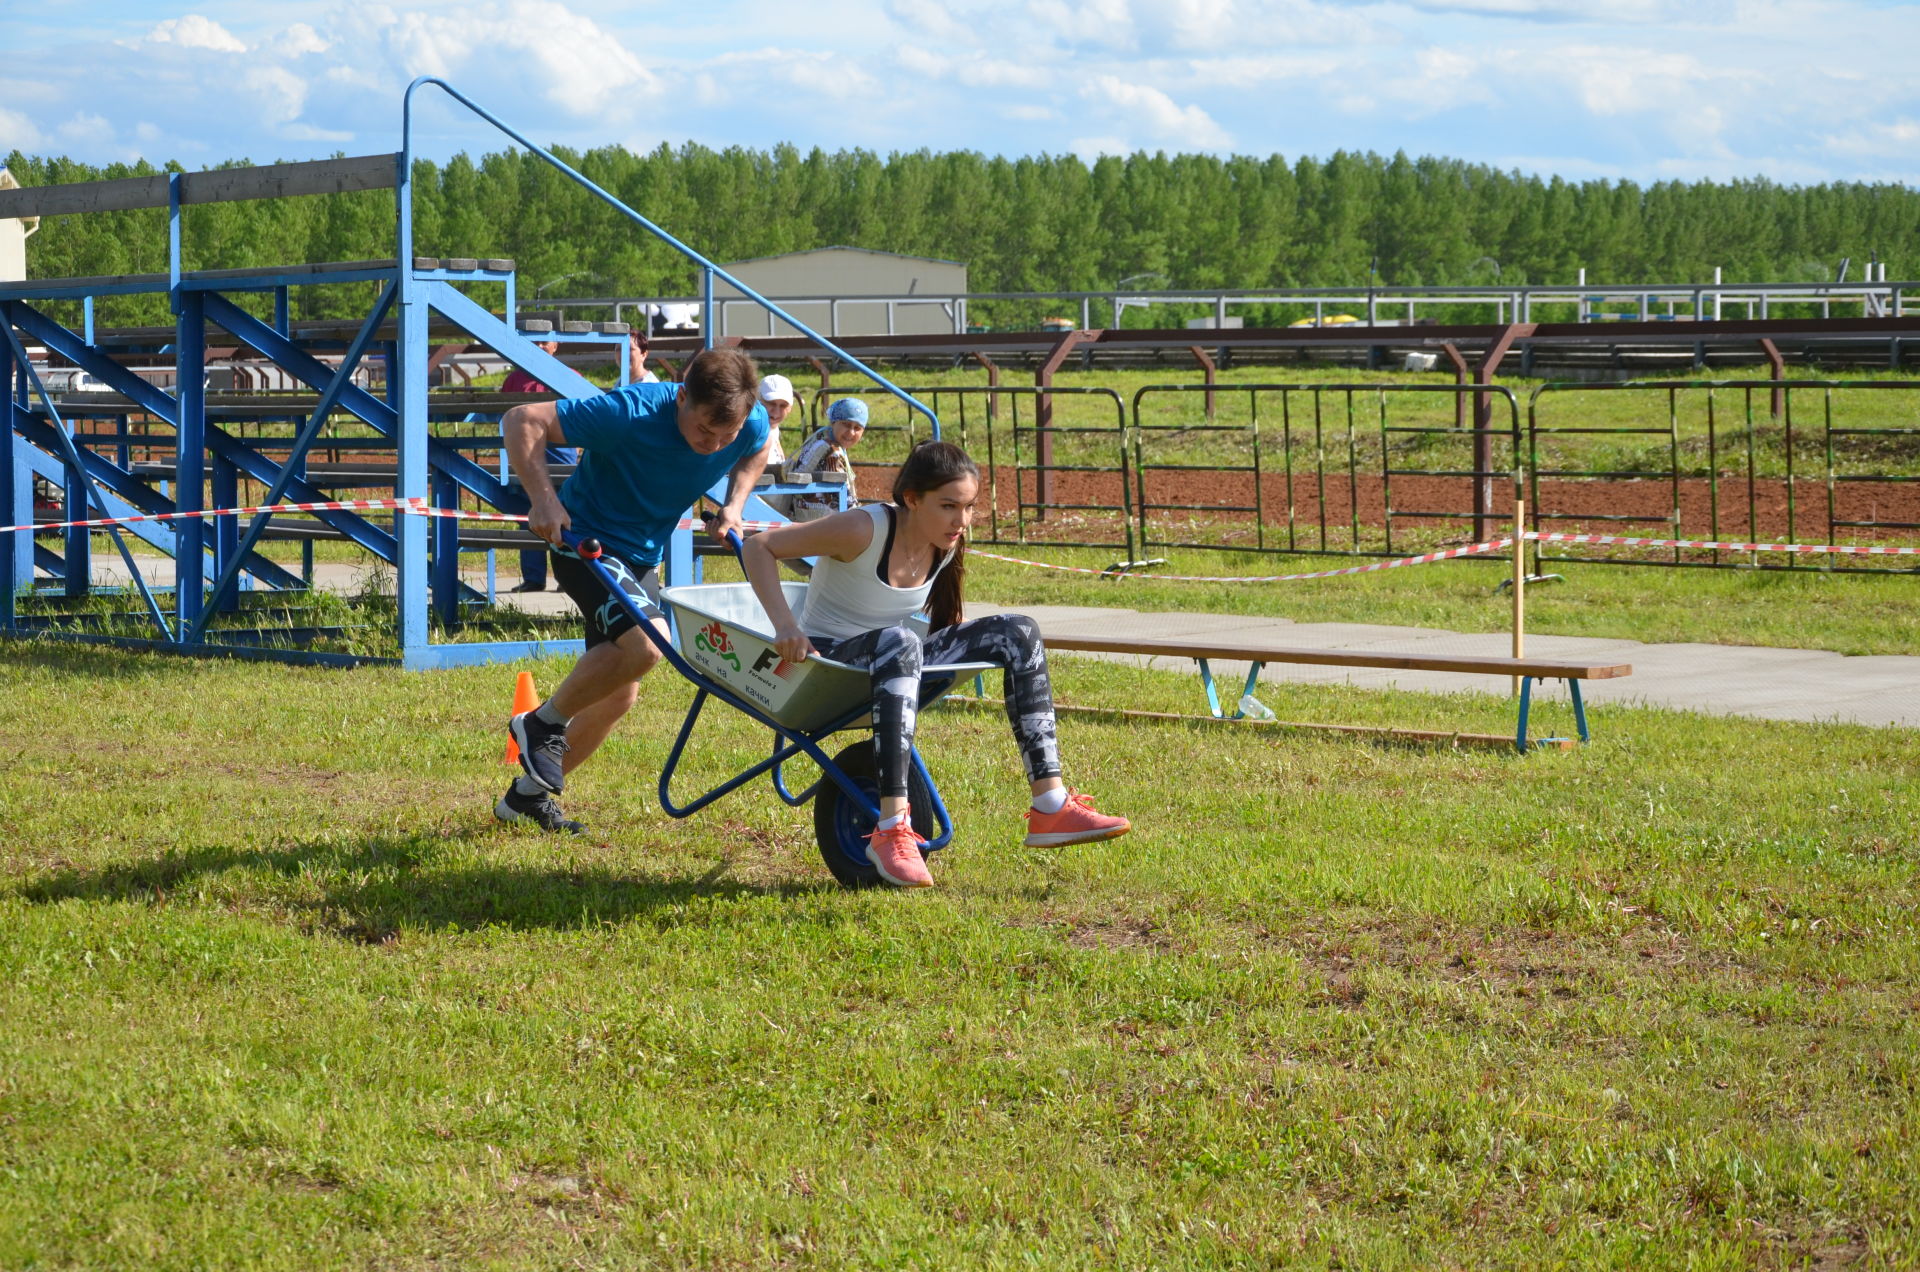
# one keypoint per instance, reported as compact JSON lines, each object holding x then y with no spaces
{"x":1047,"y":223}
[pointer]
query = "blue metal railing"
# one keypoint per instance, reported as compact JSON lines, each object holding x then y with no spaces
{"x":709,"y":270}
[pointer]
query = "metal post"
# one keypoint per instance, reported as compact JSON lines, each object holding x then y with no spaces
{"x":190,"y":456}
{"x":173,"y":234}
{"x":77,"y":544}
{"x":407,"y":363}
{"x":707,"y":331}
{"x":225,"y":531}
{"x":16,"y":494}
{"x":409,"y":367}
{"x":1519,"y":584}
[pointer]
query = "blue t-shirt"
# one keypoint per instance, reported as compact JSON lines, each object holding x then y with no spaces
{"x":637,"y":476}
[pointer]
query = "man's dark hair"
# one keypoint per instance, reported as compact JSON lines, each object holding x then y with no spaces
{"x":725,"y":381}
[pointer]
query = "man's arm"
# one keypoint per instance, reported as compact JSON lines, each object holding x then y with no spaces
{"x":740,"y":484}
{"x":529,"y":429}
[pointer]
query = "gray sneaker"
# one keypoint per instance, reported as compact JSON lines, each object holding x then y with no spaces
{"x":543,"y":748}
{"x":542,"y":809}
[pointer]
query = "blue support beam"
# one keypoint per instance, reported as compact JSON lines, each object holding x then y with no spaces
{"x":411,"y":583}
{"x":303,"y":442}
{"x":384,"y":419}
{"x":16,"y":494}
{"x":190,"y":448}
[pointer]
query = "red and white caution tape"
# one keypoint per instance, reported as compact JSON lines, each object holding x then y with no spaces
{"x":325,"y":505}
{"x":1446,"y":555}
{"x":685,"y":523}
{"x":421,"y":507}
{"x":1620,"y":540}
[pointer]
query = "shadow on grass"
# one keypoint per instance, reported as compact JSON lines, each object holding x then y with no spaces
{"x":369,"y":889}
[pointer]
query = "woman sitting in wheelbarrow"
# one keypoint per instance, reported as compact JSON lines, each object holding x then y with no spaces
{"x":878,"y":565}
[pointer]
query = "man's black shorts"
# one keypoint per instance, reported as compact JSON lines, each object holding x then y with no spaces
{"x":606,"y":618}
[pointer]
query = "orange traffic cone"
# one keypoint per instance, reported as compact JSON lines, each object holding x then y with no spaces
{"x":525,"y":698}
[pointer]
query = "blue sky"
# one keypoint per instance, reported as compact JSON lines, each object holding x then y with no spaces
{"x":1796,"y":90}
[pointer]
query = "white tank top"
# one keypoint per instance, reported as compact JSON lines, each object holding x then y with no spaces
{"x":846,"y":598}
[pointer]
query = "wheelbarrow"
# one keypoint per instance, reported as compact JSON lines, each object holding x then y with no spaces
{"x":722,"y":642}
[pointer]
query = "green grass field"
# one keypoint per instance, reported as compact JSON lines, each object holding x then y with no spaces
{"x":279,"y":995}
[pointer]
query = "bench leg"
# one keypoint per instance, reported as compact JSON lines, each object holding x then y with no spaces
{"x":1526,"y":701}
{"x":1253,"y":680}
{"x":1213,"y":694}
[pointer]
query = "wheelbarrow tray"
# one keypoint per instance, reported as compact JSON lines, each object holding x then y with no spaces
{"x":721,"y":629}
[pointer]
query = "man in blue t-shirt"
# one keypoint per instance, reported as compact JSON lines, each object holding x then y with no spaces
{"x":647,"y":451}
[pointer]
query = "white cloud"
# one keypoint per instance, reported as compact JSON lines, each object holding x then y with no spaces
{"x":196,"y":32}
{"x":279,"y":94}
{"x":85,"y":128}
{"x":572,"y":61}
{"x":1594,"y":12}
{"x":974,"y":70}
{"x":1100,"y":23}
{"x":1267,"y":70}
{"x":1091,"y":148}
{"x":1619,"y":81}
{"x":299,"y":40}
{"x":1895,"y":139}
{"x":931,"y":19}
{"x":820,"y":74}
{"x":17,"y":132}
{"x":1157,"y":115}
{"x":307,"y":132}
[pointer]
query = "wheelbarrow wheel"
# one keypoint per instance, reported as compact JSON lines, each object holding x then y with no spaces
{"x":841,"y":827}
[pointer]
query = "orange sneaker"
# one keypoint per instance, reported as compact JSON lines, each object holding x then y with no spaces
{"x":1079,"y":822}
{"x":896,"y":854}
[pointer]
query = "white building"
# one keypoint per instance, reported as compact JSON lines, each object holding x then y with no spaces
{"x":13,"y":237}
{"x":892,"y":279}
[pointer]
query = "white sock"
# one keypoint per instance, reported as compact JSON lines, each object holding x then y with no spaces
{"x":527,"y":786}
{"x":888,"y":823}
{"x":547,"y":715}
{"x":1050,"y":801}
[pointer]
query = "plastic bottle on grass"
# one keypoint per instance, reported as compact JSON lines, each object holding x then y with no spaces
{"x":1251,"y":708}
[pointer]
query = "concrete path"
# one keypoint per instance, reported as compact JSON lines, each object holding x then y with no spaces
{"x":1736,"y":680}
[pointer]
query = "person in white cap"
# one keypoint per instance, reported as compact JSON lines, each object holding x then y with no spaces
{"x":776,"y":394}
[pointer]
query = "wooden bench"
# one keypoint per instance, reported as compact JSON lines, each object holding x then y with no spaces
{"x":1527,"y":669}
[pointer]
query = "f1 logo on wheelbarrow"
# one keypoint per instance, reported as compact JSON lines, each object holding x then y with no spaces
{"x":768,"y":658}
{"x":713,"y":638}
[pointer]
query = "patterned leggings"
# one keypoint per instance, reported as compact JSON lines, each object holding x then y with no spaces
{"x":894,"y":657}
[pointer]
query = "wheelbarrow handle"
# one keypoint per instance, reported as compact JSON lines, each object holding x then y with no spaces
{"x":733,"y":536}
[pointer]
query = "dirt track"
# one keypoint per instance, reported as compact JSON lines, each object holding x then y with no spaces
{"x":1580,"y":503}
